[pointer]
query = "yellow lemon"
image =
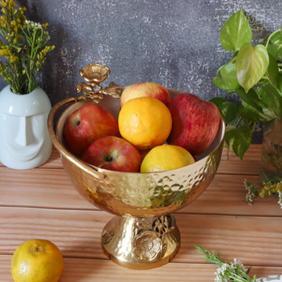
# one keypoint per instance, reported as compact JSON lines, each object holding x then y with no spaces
{"x":166,"y":157}
{"x":37,"y":261}
{"x":144,"y":122}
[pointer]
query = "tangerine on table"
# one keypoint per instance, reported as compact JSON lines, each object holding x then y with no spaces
{"x":166,"y":157}
{"x":37,"y":261}
{"x":145,"y":122}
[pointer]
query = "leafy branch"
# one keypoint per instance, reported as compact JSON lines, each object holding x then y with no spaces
{"x":255,"y":75}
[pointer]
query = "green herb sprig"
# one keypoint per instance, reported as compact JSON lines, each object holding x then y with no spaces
{"x":232,"y":271}
{"x":253,"y":73}
{"x":22,"y":44}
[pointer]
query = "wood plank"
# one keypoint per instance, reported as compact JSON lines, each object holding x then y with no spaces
{"x":253,"y":240}
{"x":108,"y":271}
{"x":227,"y":195}
{"x":54,"y":160}
{"x":52,"y":189}
{"x":83,"y":270}
{"x":88,"y":270}
{"x":39,"y":188}
{"x":76,"y":233}
{"x":250,"y":165}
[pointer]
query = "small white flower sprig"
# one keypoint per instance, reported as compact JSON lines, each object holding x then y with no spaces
{"x":267,"y":188}
{"x":34,"y":25}
{"x":36,"y":37}
{"x":232,"y":271}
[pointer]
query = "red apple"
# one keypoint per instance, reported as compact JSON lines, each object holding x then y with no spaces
{"x":88,"y":124}
{"x":145,"y":89}
{"x":113,"y":153}
{"x":195,"y":123}
{"x":143,"y":153}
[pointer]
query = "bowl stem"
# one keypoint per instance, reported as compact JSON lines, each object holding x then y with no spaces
{"x":141,"y":243}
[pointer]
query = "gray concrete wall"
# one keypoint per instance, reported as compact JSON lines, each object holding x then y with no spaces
{"x":174,"y":43}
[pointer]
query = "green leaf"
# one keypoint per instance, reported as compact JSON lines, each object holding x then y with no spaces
{"x":238,"y":139}
{"x":273,"y":71}
{"x":251,"y":114}
{"x":270,"y":99}
{"x":280,"y":83}
{"x":227,"y":109}
{"x":218,"y":101}
{"x":276,"y":38}
{"x":251,"y":65}
{"x":251,"y":98}
{"x":275,"y":51}
{"x":228,"y":79}
{"x":248,"y":271}
{"x":275,"y":46}
{"x":269,"y":114}
{"x":235,"y":32}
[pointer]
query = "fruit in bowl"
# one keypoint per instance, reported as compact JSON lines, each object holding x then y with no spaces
{"x":189,"y":124}
{"x":166,"y":157}
{"x":145,"y":89}
{"x":144,"y":122}
{"x":88,"y":124}
{"x":113,"y":153}
{"x":195,"y":123}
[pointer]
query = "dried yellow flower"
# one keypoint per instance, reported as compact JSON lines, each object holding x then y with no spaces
{"x":24,"y":54}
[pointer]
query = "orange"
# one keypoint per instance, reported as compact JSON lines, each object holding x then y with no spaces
{"x":144,"y":122}
{"x":37,"y":261}
{"x":166,"y":157}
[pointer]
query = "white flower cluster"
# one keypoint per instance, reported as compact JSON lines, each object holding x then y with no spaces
{"x":36,"y":26}
{"x":240,"y":265}
{"x":220,"y":273}
{"x":226,"y":269}
{"x":33,"y":24}
{"x":250,"y":196}
{"x":280,"y":199}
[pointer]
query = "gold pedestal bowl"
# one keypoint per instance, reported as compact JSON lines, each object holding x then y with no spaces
{"x":143,"y":234}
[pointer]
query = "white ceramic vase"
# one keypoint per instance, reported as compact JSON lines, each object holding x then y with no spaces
{"x":271,"y":278}
{"x":24,"y":139}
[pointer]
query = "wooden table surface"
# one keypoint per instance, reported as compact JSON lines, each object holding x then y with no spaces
{"x":42,"y":203}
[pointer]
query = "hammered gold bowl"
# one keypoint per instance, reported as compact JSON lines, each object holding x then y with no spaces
{"x":143,"y":234}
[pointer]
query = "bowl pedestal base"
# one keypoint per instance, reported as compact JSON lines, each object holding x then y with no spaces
{"x":139,"y":242}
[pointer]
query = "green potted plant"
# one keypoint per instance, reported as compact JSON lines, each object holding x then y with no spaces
{"x":254,"y":74}
{"x":24,"y":106}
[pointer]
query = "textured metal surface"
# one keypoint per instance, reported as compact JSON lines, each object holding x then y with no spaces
{"x":141,"y":242}
{"x":136,"y":197}
{"x":141,"y":194}
{"x":94,"y":74}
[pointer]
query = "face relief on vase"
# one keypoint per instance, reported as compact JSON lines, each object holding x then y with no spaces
{"x":24,"y":137}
